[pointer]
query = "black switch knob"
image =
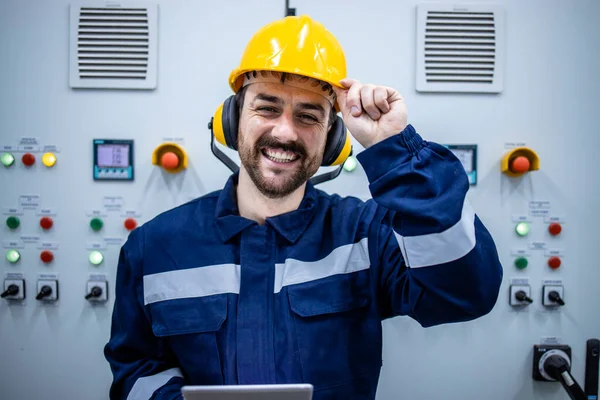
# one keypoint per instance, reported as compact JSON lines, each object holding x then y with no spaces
{"x":95,"y":292}
{"x":522,"y":296}
{"x":558,"y":368}
{"x":11,"y":291}
{"x":555,"y":297}
{"x":555,"y":365}
{"x":44,"y":292}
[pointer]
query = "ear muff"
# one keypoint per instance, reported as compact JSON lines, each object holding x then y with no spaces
{"x":339,"y":144}
{"x":225,"y":123}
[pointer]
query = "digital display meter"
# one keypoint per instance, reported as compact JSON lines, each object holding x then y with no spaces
{"x":467,"y":154}
{"x":113,"y":160}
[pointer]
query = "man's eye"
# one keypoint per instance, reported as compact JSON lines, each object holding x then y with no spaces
{"x":267,"y":109}
{"x":309,"y":118}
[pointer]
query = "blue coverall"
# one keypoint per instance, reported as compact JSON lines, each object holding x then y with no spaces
{"x":207,"y":297}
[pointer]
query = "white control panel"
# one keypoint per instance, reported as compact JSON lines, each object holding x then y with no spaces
{"x":71,"y":193}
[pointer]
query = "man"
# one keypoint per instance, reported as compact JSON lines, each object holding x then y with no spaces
{"x":273,"y":281}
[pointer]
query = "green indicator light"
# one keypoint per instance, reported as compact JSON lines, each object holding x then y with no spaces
{"x":522,"y":228}
{"x":521,"y":263}
{"x":13,"y":256}
{"x":96,"y":224}
{"x":350,"y":164}
{"x":13,"y":222}
{"x":96,"y":257}
{"x":7,"y":159}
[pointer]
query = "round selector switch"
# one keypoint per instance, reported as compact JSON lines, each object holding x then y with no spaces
{"x":554,"y":262}
{"x":130,"y":224}
{"x":46,"y":223}
{"x":28,"y":159}
{"x":46,"y":256}
{"x":13,"y":222}
{"x":555,"y":229}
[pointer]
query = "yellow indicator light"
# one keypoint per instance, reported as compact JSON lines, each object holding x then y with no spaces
{"x":49,"y":159}
{"x":96,"y":257}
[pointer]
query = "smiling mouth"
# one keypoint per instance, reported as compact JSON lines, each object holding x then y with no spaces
{"x":280,"y":156}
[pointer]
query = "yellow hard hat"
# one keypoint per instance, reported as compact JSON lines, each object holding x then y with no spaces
{"x":296,"y":45}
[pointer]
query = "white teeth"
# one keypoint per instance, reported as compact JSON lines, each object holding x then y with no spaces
{"x":280,"y":156}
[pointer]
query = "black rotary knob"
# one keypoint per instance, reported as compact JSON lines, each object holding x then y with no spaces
{"x":555,"y":297}
{"x":522,"y":296}
{"x":95,"y":292}
{"x":11,"y":291}
{"x":44,"y":292}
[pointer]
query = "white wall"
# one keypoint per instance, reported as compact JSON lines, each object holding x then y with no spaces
{"x":549,"y":102}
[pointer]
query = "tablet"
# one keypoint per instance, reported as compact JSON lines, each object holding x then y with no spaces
{"x":295,"y":391}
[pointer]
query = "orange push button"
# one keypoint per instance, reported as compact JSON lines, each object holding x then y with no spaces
{"x":171,"y":157}
{"x":519,"y":161}
{"x":520,"y":165}
{"x":554,"y":262}
{"x":169,"y":160}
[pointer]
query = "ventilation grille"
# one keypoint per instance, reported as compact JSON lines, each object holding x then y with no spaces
{"x":459,"y":49}
{"x":113,"y":47}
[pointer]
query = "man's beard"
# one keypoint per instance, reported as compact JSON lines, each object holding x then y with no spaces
{"x":251,"y":156}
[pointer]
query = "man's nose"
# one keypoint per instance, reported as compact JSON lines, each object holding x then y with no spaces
{"x":284,"y":128}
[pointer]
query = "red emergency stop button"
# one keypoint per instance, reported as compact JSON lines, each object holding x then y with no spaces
{"x":555,"y":229}
{"x":554,"y":262}
{"x":130,"y":224}
{"x":46,"y":256}
{"x":28,"y":159}
{"x":46,"y":223}
{"x":520,"y":165}
{"x":169,"y":160}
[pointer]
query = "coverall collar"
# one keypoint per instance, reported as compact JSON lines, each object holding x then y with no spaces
{"x":290,"y":225}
